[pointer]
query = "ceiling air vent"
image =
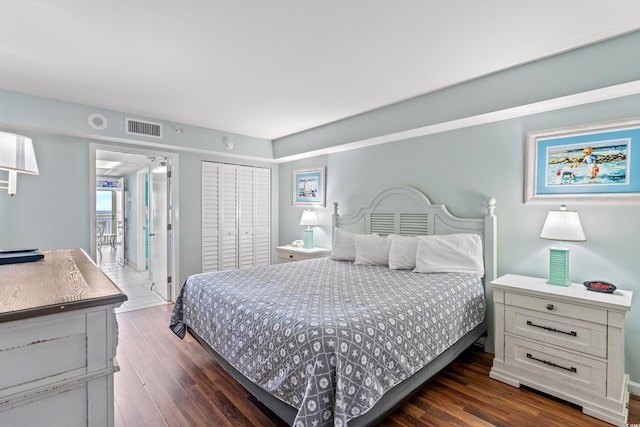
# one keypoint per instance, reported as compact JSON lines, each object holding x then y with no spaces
{"x":142,"y":127}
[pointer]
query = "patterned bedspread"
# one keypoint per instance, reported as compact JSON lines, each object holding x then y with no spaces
{"x":328,"y":337}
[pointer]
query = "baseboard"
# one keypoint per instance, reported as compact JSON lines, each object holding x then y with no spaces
{"x":131,"y":264}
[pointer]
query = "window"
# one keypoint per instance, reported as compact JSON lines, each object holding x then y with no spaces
{"x":104,"y":202}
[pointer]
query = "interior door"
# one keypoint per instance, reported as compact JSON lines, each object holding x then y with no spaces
{"x":118,"y":221}
{"x":158,"y":228}
{"x":142,"y":230}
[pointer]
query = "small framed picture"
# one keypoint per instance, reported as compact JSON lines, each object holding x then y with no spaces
{"x":599,"y":161}
{"x":308,"y":187}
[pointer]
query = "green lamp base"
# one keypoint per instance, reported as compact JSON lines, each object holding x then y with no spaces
{"x":308,"y":238}
{"x":559,"y":266}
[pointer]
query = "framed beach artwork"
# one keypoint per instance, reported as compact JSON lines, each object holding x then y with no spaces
{"x":308,"y":187}
{"x":599,"y":161}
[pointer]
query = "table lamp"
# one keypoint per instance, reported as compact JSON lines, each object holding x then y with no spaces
{"x":562,"y":226}
{"x":308,"y":219}
{"x":16,"y":155}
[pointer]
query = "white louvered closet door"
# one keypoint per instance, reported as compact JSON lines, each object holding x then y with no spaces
{"x":247,"y":217}
{"x":262,"y":232}
{"x":228,"y":217}
{"x":254,"y":196}
{"x":236,"y":216}
{"x":210,"y":217}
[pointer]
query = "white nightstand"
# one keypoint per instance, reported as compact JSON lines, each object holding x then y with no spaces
{"x":564,"y":341}
{"x":292,"y":253}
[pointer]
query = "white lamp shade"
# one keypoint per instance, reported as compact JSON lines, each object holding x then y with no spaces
{"x":563,"y":225}
{"x":309,"y":218}
{"x":17,"y":154}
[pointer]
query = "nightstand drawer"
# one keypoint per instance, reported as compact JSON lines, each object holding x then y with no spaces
{"x":288,"y":257}
{"x":557,"y":366}
{"x":578,"y":335}
{"x":291,"y":253}
{"x":557,"y":307}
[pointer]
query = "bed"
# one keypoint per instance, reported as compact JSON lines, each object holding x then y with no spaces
{"x":337,"y":341}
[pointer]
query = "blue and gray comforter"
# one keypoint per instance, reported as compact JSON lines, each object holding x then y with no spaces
{"x":328,"y":337}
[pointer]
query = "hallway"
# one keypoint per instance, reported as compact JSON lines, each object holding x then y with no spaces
{"x":135,"y":284}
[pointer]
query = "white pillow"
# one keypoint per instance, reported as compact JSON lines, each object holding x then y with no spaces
{"x":402,"y":252}
{"x":343,"y":246}
{"x":372,"y":249}
{"x":450,"y":253}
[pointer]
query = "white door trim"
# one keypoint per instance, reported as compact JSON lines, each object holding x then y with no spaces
{"x":174,"y":182}
{"x":141,"y":230}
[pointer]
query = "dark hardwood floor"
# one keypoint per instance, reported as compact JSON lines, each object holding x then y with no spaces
{"x":165,"y":381}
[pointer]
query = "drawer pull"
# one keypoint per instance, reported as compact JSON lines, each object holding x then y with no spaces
{"x":549,"y":306}
{"x":290,"y":256}
{"x":546,"y":362}
{"x":548,"y":328}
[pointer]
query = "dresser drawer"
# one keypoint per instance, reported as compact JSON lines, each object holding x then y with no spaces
{"x":549,"y":365}
{"x":557,"y":307}
{"x":578,"y":335}
{"x":51,"y":349}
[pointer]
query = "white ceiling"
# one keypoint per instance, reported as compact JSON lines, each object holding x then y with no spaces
{"x":273,"y":68}
{"x":114,"y":164}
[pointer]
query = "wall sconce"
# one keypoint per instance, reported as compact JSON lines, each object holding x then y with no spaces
{"x":308,"y":218}
{"x":561,"y":226}
{"x":16,"y":155}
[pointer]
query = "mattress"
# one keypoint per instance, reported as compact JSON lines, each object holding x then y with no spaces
{"x":328,"y":337}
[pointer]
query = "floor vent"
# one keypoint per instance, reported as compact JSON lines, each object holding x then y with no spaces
{"x":141,"y":127}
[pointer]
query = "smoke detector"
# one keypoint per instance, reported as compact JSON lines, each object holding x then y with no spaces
{"x":228,"y":142}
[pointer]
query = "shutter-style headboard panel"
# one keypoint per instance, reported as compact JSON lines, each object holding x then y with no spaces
{"x":406,"y":211}
{"x":405,"y":224}
{"x":382,"y":223}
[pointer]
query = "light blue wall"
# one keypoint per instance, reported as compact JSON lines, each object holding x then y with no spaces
{"x":52,"y":210}
{"x":462,"y":168}
{"x":22,"y":111}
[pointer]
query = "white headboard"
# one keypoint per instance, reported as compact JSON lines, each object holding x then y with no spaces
{"x":406,"y":211}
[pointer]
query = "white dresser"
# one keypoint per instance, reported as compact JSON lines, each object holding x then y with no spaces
{"x":564,"y":341}
{"x":58,"y":337}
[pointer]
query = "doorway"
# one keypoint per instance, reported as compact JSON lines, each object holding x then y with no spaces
{"x":145,"y":195}
{"x":110,"y":217}
{"x":159,"y":227}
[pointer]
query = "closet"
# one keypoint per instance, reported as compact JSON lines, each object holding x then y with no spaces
{"x":236,"y":216}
